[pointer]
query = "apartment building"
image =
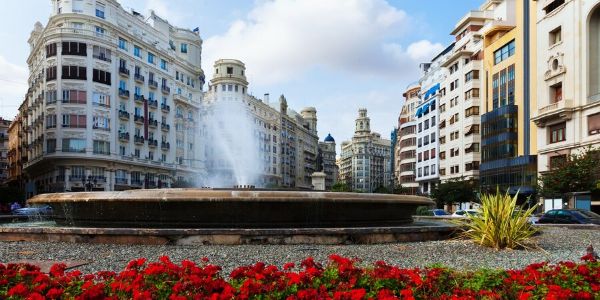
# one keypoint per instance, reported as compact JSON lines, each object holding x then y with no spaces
{"x":427,"y":116}
{"x":405,"y":157}
{"x":365,"y":160}
{"x":459,"y":125}
{"x":113,"y":100}
{"x":508,"y":137}
{"x":4,"y":150}
{"x":327,"y":156}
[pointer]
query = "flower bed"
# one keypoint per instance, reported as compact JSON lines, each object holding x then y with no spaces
{"x":341,"y":278}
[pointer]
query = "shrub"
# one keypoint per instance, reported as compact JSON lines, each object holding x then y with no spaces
{"x":423,"y":211}
{"x":501,"y":224}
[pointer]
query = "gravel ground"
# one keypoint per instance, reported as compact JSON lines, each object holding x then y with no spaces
{"x":558,"y":244}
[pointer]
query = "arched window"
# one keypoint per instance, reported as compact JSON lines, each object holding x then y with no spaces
{"x":594,"y":54}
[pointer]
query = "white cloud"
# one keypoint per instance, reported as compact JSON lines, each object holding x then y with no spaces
{"x":164,"y":9}
{"x":424,"y":50}
{"x":13,"y":85}
{"x":279,"y":40}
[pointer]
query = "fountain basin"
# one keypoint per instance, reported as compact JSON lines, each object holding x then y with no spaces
{"x":216,"y":208}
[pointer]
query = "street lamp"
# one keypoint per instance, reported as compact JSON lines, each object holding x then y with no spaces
{"x":90,"y":184}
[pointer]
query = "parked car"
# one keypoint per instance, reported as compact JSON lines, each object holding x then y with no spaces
{"x":463,"y":213}
{"x":34,"y":210}
{"x":569,"y":216}
{"x":439,"y":212}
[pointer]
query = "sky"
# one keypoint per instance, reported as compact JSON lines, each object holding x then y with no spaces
{"x":335,"y":55}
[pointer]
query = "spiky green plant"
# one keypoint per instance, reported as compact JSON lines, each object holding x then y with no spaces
{"x":501,"y":224}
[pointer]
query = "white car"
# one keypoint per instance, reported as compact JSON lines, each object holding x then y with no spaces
{"x":463,"y":213}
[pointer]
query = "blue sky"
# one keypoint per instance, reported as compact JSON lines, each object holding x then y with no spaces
{"x":335,"y":55}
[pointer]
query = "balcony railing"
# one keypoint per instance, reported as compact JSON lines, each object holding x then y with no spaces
{"x":153,"y":84}
{"x":165,"y":145}
{"x":165,"y":107}
{"x":138,"y":119}
{"x":138,"y":97}
{"x":153,"y":103}
{"x":152,"y":143}
{"x":138,"y":139}
{"x":124,"y":136}
{"x":138,"y":77}
{"x":124,"y":71}
{"x":555,"y":106}
{"x":165,"y":127}
{"x":122,"y":181}
{"x":165,"y":89}
{"x":123,"y":93}
{"x":124,"y":115}
{"x":102,"y":57}
{"x":152,"y":122}
{"x":100,"y":128}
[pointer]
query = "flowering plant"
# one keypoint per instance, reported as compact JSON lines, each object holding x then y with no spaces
{"x":341,"y":278}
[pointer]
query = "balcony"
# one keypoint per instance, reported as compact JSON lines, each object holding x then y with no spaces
{"x":153,"y":143}
{"x":165,"y":127}
{"x":165,"y":145}
{"x":121,"y":181}
{"x":124,"y":136}
{"x":123,"y":93}
{"x":165,"y":89}
{"x":153,"y":103}
{"x":152,"y":122}
{"x":138,"y":139}
{"x":152,"y":84}
{"x":165,"y":108}
{"x":138,"y":119}
{"x":124,"y":115}
{"x":138,"y":77}
{"x":102,"y":57}
{"x":138,"y":97}
{"x":560,"y":110}
{"x":124,"y":71}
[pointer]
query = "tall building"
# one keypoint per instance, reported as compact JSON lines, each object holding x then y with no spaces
{"x":15,"y":153}
{"x":112,"y":102}
{"x":365,"y":161}
{"x":327,"y":154}
{"x":427,"y":118}
{"x":459,"y":108}
{"x":567,"y":114}
{"x":509,"y":138}
{"x":405,"y":157}
{"x":4,"y":150}
{"x":287,"y":141}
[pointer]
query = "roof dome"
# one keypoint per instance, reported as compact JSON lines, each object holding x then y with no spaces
{"x":329,"y":138}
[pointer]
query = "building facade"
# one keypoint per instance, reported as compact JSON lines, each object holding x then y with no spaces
{"x":427,"y":117}
{"x":4,"y":150}
{"x":327,"y":154}
{"x":509,"y":138}
{"x":459,"y":109}
{"x":365,"y":161}
{"x":405,"y":157}
{"x":112,"y":102}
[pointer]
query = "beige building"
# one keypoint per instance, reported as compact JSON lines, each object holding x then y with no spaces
{"x":459,"y":109}
{"x":406,"y":145}
{"x":365,"y":161}
{"x":112,"y":102}
{"x":4,"y":150}
{"x":287,"y":141}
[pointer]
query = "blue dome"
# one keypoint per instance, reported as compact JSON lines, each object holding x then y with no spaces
{"x":329,"y":138}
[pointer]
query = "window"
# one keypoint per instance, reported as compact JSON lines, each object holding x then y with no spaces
{"x":99,"y":31}
{"x":74,"y":72}
{"x":472,"y":93}
{"x":73,"y":145}
{"x":504,"y":52}
{"x":50,"y":145}
{"x":74,"y":121}
{"x":553,"y":5}
{"x":557,"y":133}
{"x":100,"y":10}
{"x":122,"y":44}
{"x":593,"y":122}
{"x":101,"y":76}
{"x":442,"y":108}
{"x":472,"y":166}
{"x":163,"y":64}
{"x":102,"y":123}
{"x":474,"y":147}
{"x":555,"y":36}
{"x":150,"y":58}
{"x":472,"y":111}
{"x":74,"y":96}
{"x":557,"y":161}
{"x":137,"y":51}
{"x":442,"y":155}
{"x":102,"y":53}
{"x":51,"y":121}
{"x":229,"y":70}
{"x":432,"y":121}
{"x":74,"y":48}
{"x":183,"y":48}
{"x":556,"y":93}
{"x":474,"y":74}
{"x":51,"y":50}
{"x":101,"y":147}
{"x":472,"y":129}
{"x":432,"y":153}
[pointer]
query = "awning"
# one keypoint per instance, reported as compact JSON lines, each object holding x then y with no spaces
{"x":426,"y":108}
{"x":468,"y":129}
{"x":431,"y":91}
{"x":419,"y":112}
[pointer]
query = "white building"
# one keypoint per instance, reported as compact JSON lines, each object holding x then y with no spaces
{"x":365,"y":161}
{"x":427,"y":118}
{"x":568,"y":86}
{"x":112,"y":102}
{"x":406,"y":144}
{"x":459,"y":124}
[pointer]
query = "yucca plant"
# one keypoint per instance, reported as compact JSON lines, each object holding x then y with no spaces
{"x":501,"y":224}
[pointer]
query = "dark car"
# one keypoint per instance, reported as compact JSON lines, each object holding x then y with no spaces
{"x":439,"y":212}
{"x":569,"y":216}
{"x":37,"y":210}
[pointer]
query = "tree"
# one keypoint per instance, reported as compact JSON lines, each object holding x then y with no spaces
{"x":578,"y":172}
{"x":341,"y":186}
{"x":454,"y":191}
